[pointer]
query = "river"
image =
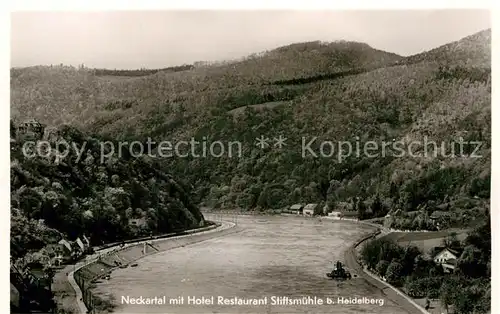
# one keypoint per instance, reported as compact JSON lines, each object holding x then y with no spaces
{"x":272,"y":257}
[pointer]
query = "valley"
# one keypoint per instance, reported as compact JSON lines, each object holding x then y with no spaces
{"x":400,"y":141}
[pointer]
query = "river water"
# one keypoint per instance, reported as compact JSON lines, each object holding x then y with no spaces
{"x":272,"y":257}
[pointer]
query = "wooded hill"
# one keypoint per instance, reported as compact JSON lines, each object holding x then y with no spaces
{"x":77,"y":195}
{"x":339,"y":91}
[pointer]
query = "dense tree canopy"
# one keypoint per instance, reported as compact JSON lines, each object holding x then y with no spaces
{"x":79,"y":195}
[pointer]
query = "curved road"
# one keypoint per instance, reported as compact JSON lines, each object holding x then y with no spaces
{"x":272,"y":256}
{"x":388,"y":292}
{"x":64,"y":278}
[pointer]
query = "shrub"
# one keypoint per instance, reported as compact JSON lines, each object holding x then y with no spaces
{"x":382,"y":267}
{"x":394,"y":273}
{"x":380,"y":249}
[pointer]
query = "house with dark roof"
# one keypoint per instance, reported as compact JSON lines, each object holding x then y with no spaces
{"x":296,"y":208}
{"x":438,"y":215}
{"x":30,"y":129}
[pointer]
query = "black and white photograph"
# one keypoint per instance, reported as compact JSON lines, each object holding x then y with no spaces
{"x":251,"y":161}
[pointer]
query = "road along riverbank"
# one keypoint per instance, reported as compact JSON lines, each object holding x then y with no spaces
{"x":392,"y":293}
{"x":71,"y":298}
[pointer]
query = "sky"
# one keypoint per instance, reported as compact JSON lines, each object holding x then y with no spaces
{"x":156,"y":39}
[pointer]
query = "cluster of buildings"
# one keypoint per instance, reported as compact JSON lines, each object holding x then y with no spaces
{"x":65,"y":250}
{"x":306,"y":210}
{"x":312,"y":209}
{"x":31,"y":277}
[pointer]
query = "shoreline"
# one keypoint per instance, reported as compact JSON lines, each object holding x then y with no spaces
{"x":134,"y":253}
{"x":394,"y":294}
{"x":69,"y":296}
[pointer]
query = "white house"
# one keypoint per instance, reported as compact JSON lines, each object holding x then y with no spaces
{"x":80,"y":244}
{"x":86,"y":240}
{"x":447,"y":258}
{"x":309,"y":209}
{"x":138,"y":222}
{"x":335,"y":215}
{"x":326,"y":209}
{"x":66,"y":244}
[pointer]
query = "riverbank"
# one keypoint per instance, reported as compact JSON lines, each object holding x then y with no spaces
{"x":131,"y":256}
{"x":68,"y":296}
{"x":351,"y":260}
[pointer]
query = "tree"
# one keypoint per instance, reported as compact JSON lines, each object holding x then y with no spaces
{"x":361,"y":207}
{"x":380,"y":249}
{"x":414,"y":287}
{"x":480,"y":237}
{"x":483,"y":305}
{"x":408,"y":259}
{"x":389,"y":250}
{"x":331,"y":196}
{"x":382,"y":267}
{"x":422,"y":221}
{"x":77,"y":198}
{"x":435,"y":270}
{"x":471,"y":263}
{"x":464,"y":301}
{"x":12,"y":129}
{"x":370,"y":253}
{"x":421,"y":267}
{"x":449,"y":292}
{"x":394,"y":273}
{"x":377,"y":207}
{"x":452,"y":242}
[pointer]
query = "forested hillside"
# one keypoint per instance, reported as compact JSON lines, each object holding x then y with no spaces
{"x":68,"y":197}
{"x":340,"y":91}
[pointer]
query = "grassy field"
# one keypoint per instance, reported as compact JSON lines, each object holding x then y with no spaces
{"x":425,"y":241}
{"x":267,"y":105}
{"x":115,"y":78}
{"x":435,"y":306}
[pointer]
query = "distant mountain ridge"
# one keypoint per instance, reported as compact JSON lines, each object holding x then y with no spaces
{"x":333,"y":91}
{"x":473,"y":50}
